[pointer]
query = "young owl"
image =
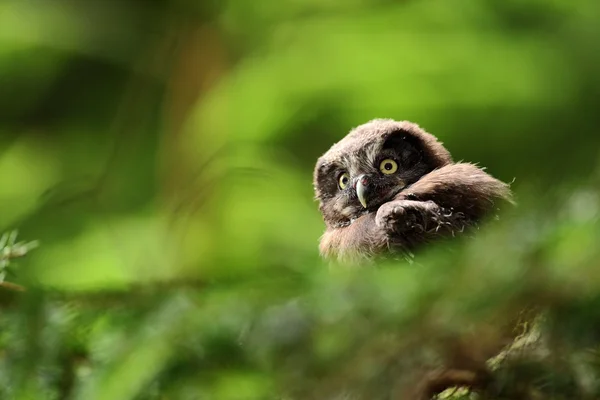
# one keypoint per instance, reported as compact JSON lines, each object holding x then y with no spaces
{"x":389,"y":186}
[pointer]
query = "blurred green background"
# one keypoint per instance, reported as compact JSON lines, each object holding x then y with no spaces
{"x":162,"y":154}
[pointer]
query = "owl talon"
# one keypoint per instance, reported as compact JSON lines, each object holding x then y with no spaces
{"x":394,"y":218}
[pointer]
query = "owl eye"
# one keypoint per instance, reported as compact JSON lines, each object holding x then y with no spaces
{"x":343,"y":180}
{"x":388,"y":166}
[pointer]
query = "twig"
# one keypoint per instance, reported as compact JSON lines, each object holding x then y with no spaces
{"x":9,"y":250}
{"x":12,"y":286}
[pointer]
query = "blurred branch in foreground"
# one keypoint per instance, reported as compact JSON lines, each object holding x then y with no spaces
{"x":10,"y":249}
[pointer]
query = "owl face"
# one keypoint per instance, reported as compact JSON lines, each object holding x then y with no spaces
{"x":372,"y":164}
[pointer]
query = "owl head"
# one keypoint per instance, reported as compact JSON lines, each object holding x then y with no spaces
{"x":372,"y":164}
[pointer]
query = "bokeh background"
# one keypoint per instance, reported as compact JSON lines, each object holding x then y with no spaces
{"x":161,"y":152}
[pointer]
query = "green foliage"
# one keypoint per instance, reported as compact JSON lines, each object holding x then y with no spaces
{"x":162,"y":154}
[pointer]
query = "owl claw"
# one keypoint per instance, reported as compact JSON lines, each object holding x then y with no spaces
{"x":392,"y":217}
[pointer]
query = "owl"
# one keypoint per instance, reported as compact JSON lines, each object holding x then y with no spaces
{"x":388,"y":187}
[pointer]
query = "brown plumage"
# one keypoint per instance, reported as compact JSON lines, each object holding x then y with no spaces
{"x":389,"y":186}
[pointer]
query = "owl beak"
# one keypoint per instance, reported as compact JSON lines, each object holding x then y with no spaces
{"x":361,"y":189}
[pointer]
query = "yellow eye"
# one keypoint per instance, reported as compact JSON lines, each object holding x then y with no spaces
{"x":388,"y":166}
{"x":343,"y":180}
